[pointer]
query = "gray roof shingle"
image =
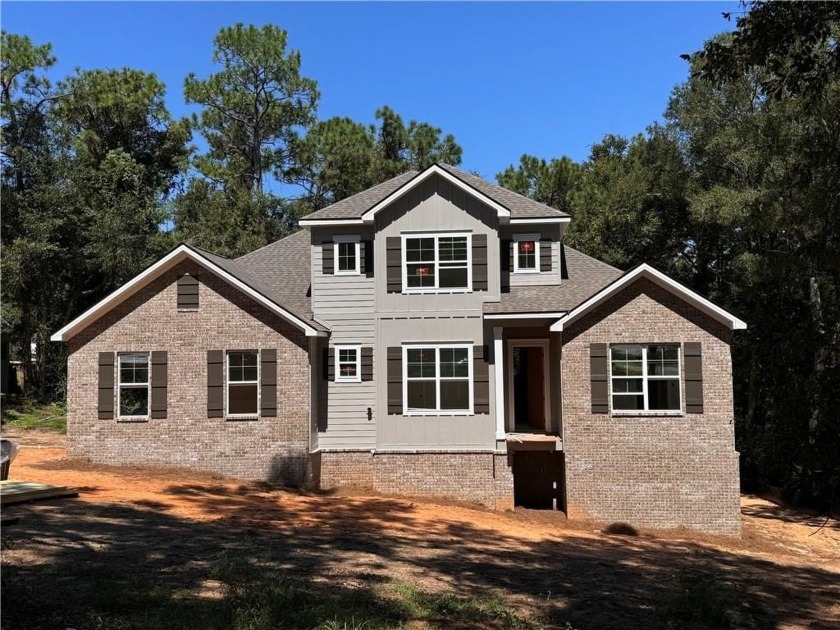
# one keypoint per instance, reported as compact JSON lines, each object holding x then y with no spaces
{"x":354,"y":207}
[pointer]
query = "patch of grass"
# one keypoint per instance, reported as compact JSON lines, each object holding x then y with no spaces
{"x":26,"y":415}
{"x":701,"y":599}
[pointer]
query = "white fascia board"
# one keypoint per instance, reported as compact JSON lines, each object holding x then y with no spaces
{"x":538,"y":221}
{"x":523,"y":315}
{"x":333,"y":222}
{"x":680,"y":290}
{"x":434,"y":169}
{"x":179,"y":254}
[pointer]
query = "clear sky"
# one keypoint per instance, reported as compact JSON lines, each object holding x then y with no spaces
{"x":548,"y":79}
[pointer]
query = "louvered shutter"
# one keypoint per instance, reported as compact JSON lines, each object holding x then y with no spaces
{"x":367,"y":363}
{"x":545,"y":254}
{"x":327,"y":258}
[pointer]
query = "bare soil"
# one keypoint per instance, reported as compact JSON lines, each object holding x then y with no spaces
{"x":784,"y":572}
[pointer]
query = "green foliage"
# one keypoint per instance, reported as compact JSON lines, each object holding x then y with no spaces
{"x":27,"y":415}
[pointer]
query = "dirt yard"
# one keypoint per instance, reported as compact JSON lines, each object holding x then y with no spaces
{"x":139,"y":545}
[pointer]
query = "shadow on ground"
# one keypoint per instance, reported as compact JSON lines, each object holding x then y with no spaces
{"x":264,"y":565}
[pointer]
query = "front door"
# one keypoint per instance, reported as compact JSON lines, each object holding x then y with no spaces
{"x":528,"y":367}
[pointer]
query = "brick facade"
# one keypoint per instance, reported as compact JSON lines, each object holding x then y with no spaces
{"x":275,"y":448}
{"x":484,"y":478}
{"x":647,"y":470}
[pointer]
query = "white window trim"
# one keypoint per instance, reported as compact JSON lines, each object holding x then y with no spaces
{"x":350,"y":238}
{"x":437,"y":348}
{"x":436,"y":236}
{"x":645,"y":377}
{"x":348,"y":379}
{"x":147,"y":385}
{"x":519,"y":238}
{"x":228,"y":414}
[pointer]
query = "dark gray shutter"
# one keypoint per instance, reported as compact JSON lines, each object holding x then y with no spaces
{"x":393,"y":264}
{"x":545,"y":254}
{"x":693,"y":368}
{"x":367,"y":363}
{"x":598,"y":377}
{"x":366,"y":258}
{"x":507,"y":255}
{"x":187,"y":291}
{"x":215,"y":383}
{"x":481,"y":380}
{"x":479,"y":262}
{"x":106,"y":386}
{"x":395,"y":381}
{"x":328,"y":261}
{"x":325,"y":353}
{"x":268,"y":383}
{"x":159,"y":383}
{"x":330,"y":364}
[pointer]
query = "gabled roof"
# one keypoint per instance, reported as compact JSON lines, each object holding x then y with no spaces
{"x":659,"y":278}
{"x":255,"y":285}
{"x":362,"y":207}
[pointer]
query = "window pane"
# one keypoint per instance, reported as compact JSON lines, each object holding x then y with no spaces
{"x":453,"y":278}
{"x":419,"y":249}
{"x":627,"y":368}
{"x":243,"y":366}
{"x":628,"y":403}
{"x":527,"y":253}
{"x":422,"y":275}
{"x":454,"y":362}
{"x":421,"y":363}
{"x":347,"y":370}
{"x":663,"y":361}
{"x":250,"y":373}
{"x":455,"y":395}
{"x":452,"y":248}
{"x":664,"y":394}
{"x":242,"y":399}
{"x":134,"y":401}
{"x":627,"y":385}
{"x":347,"y":355}
{"x":421,"y":395}
{"x":347,"y":256}
{"x":134,"y":368}
{"x":627,"y":353}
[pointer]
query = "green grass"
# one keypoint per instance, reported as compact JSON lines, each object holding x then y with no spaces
{"x":26,"y":415}
{"x":703,"y":599}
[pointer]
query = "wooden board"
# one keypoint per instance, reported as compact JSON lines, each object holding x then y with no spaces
{"x":14,"y":491}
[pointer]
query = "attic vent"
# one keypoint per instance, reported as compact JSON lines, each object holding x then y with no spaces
{"x":188,"y":292}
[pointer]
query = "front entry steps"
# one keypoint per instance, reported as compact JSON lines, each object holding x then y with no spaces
{"x":533,"y":442}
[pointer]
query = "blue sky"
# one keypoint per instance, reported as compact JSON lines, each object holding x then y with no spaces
{"x":548,"y":79}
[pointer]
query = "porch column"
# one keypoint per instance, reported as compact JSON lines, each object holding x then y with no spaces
{"x":499,"y":371}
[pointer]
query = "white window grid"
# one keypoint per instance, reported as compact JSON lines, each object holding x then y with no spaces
{"x":465,"y":264}
{"x":438,"y":378}
{"x":134,"y":384}
{"x":354,"y":241}
{"x":645,"y":377}
{"x":230,"y":383}
{"x":518,"y":241}
{"x":357,"y":361}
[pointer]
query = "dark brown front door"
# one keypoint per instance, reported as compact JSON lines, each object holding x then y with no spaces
{"x":528,"y":388}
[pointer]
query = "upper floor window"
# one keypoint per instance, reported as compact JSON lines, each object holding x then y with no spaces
{"x":436,"y":263}
{"x":526,"y":254}
{"x":133,"y":391}
{"x":346,"y":254}
{"x":348,"y":360}
{"x":645,"y":378}
{"x":243,"y":383}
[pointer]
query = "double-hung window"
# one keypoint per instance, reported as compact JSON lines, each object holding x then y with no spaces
{"x":243,"y":378}
{"x":645,"y":378}
{"x":436,"y":263}
{"x":346,"y":252}
{"x":526,"y":253}
{"x":133,"y":390}
{"x":347,"y":360}
{"x":438,"y":379}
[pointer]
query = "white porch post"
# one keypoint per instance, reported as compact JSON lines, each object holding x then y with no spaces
{"x":499,"y":370}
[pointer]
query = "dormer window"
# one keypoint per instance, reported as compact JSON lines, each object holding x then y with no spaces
{"x":346,"y":253}
{"x":436,"y":263}
{"x":526,"y":253}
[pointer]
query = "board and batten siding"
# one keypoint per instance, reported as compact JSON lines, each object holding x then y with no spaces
{"x":346,"y":305}
{"x":548,"y":231}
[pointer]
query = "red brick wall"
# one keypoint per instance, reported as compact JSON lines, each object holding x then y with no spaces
{"x":651,"y":471}
{"x":264,"y":448}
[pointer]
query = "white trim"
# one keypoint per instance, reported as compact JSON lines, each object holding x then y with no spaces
{"x":437,"y":378}
{"x":545,"y":344}
{"x":347,"y":379}
{"x":348,"y":238}
{"x":147,"y":385}
{"x":436,"y":262}
{"x":524,"y":315}
{"x":499,"y":381}
{"x":537,"y":221}
{"x":177,"y":255}
{"x":519,"y":238}
{"x":321,"y":222}
{"x":645,"y":379}
{"x":228,"y":384}
{"x":645,"y":270}
{"x":434,"y":169}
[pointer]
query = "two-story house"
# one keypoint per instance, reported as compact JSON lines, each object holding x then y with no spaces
{"x":432,"y":335}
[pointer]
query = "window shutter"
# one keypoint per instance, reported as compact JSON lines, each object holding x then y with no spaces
{"x":693,"y":369}
{"x":545,"y":254}
{"x":328,"y":261}
{"x":215,"y":383}
{"x":395,"y":381}
{"x":481,"y":380}
{"x":507,"y":255}
{"x":106,"y":386}
{"x":393,"y":264}
{"x":268,"y":383}
{"x":479,"y":262}
{"x":366,"y":258}
{"x":159,"y":383}
{"x":598,"y":377}
{"x":330,"y":364}
{"x":187,"y":291}
{"x":367,"y":363}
